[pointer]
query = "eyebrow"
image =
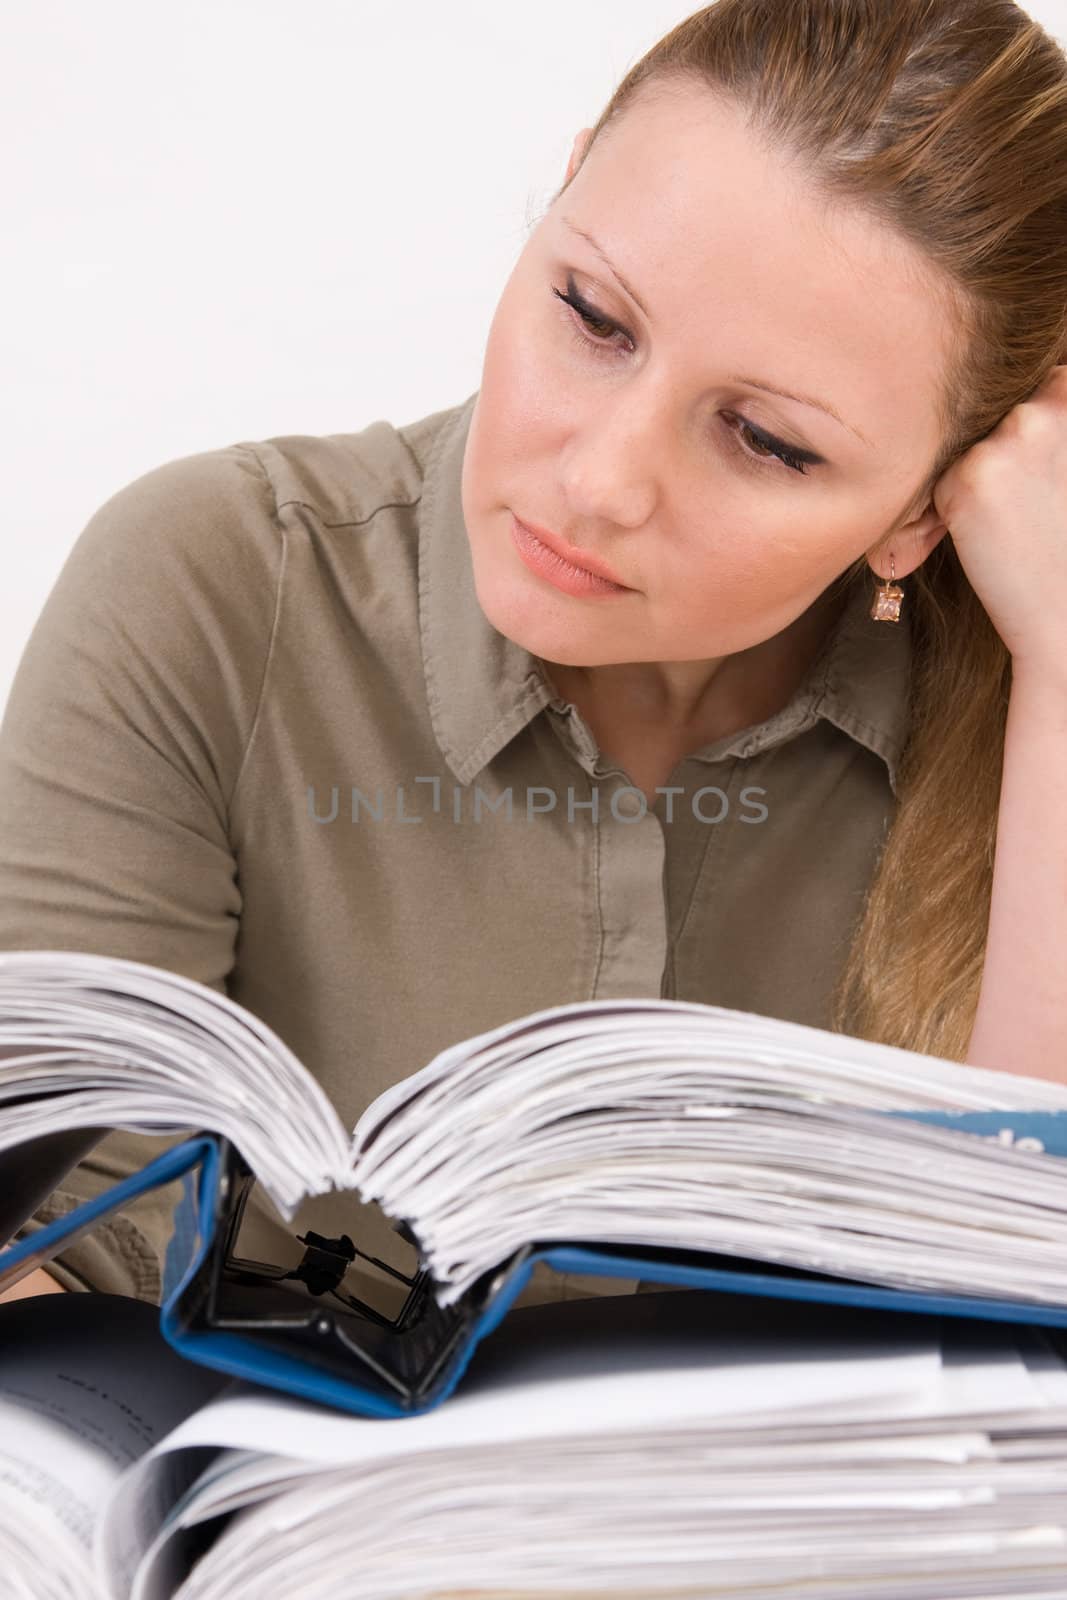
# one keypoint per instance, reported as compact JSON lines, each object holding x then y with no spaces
{"x":731,"y":377}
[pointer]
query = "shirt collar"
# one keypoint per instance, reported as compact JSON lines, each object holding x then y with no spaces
{"x":482,"y":688}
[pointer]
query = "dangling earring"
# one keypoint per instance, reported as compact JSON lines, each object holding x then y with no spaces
{"x":887,"y":597}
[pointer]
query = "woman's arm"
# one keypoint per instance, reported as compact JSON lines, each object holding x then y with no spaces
{"x":1021,"y":1021}
{"x":120,"y":748}
{"x":35,"y":1282}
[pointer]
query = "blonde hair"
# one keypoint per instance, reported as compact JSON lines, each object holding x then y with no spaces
{"x":948,"y":120}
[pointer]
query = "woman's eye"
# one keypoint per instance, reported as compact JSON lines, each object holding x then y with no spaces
{"x":596,"y":334}
{"x":775,"y":448}
{"x":601,"y":328}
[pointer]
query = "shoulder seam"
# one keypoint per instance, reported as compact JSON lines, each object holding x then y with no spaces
{"x":271,"y":636}
{"x":350,"y":522}
{"x":402,"y":435}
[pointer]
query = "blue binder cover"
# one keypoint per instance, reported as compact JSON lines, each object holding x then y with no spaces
{"x":226,"y":1314}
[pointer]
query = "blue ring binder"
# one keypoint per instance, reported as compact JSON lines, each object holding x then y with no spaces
{"x":298,"y":1331}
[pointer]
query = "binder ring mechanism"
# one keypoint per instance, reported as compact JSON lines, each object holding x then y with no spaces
{"x":394,"y":1364}
{"x":321,"y":1269}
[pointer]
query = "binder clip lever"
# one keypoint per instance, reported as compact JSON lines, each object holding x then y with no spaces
{"x":325,"y":1261}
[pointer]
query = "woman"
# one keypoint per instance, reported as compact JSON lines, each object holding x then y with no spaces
{"x":345,"y":727}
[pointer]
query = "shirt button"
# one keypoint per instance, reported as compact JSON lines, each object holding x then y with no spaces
{"x":629,"y":804}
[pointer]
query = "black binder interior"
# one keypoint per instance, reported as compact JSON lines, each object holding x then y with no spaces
{"x":403,"y":1358}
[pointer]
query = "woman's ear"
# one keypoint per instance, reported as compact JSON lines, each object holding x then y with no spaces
{"x":909,"y":545}
{"x":577,"y":152}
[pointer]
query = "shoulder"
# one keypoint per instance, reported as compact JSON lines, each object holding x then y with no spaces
{"x":205,"y":533}
{"x":219,"y":494}
{"x":177,"y":524}
{"x":346,"y":478}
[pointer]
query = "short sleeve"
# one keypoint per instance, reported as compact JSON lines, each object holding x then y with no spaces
{"x":121,"y":746}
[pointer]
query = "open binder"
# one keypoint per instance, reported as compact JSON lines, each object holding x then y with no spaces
{"x":327,"y":1344}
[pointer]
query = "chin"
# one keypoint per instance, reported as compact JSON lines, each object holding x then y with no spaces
{"x":512,"y":612}
{"x":526,"y":619}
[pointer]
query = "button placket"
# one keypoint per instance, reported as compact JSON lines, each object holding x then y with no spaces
{"x":631,"y":850}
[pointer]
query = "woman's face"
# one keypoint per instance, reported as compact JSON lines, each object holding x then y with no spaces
{"x":634,"y":446}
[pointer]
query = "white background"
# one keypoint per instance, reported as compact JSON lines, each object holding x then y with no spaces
{"x":231,"y":219}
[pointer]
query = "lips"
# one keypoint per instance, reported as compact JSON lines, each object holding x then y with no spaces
{"x":568,"y":552}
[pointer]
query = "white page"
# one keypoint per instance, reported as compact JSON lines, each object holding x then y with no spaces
{"x":87,"y":1385}
{"x":578,"y":1371}
{"x":575,"y":1394}
{"x":982,"y":1372}
{"x":490,"y":1529}
{"x":142,"y":1041}
{"x":51,"y":1490}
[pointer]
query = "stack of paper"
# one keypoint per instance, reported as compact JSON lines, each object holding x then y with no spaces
{"x":798,"y":1457}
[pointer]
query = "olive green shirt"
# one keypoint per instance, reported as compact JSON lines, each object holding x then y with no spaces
{"x":263,"y":735}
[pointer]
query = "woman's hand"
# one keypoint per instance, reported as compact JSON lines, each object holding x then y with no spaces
{"x":1005,"y":503}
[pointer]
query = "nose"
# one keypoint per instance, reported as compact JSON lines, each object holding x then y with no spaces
{"x":610,"y":469}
